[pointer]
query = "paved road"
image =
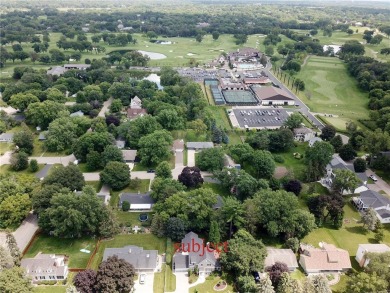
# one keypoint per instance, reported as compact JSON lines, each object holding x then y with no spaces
{"x":105,"y":107}
{"x":378,"y":185}
{"x":94,"y":176}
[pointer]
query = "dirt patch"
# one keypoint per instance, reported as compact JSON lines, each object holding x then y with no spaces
{"x":280,"y":172}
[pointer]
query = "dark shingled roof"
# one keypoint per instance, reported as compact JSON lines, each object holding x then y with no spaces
{"x":373,"y":199}
{"x":137,"y":256}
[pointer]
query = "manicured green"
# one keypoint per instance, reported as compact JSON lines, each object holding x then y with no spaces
{"x":217,"y":188}
{"x":159,"y":280}
{"x":97,"y":185}
{"x":332,"y":90}
{"x":147,"y":241}
{"x":70,"y":247}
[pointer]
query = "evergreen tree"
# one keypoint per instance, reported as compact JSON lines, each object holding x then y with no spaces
{"x":217,"y":135}
{"x":214,"y":235}
{"x":13,"y":248}
{"x":265,"y":285}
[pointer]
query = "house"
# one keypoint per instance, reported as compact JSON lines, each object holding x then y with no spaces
{"x":372,"y":199}
{"x":76,"y":66}
{"x":46,"y":267}
{"x":286,"y":256}
{"x":244,"y":53}
{"x":269,"y":95}
{"x":6,"y":137}
{"x":56,"y":70}
{"x":120,"y":143}
{"x":303,"y":134}
{"x":363,"y":249}
{"x":136,"y":103}
{"x":138,"y":201}
{"x":178,"y":145}
{"x":338,"y":163}
{"x":60,"y":70}
{"x":314,"y":140}
{"x":327,"y":258}
{"x":129,"y":155}
{"x":192,"y":253}
{"x":135,"y":113}
{"x":77,"y":114}
{"x":200,"y":145}
{"x":143,"y":260}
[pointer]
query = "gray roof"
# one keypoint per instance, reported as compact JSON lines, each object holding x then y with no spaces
{"x":219,"y":203}
{"x":137,"y":256}
{"x":41,"y":264}
{"x":362,"y":176}
{"x":180,"y":261}
{"x":373,"y":199}
{"x":42,"y":136}
{"x":384,"y":213}
{"x":195,"y":256}
{"x":6,"y":136}
{"x":56,"y":70}
{"x":129,"y":155}
{"x":200,"y":145}
{"x":286,"y":256}
{"x":135,"y":198}
{"x":77,"y":66}
{"x":77,"y":114}
{"x":339,"y":163}
{"x":303,"y":130}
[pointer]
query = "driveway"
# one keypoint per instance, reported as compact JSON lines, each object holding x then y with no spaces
{"x":147,"y":287}
{"x":105,"y":107}
{"x":179,"y":159}
{"x":378,"y":185}
{"x":43,"y":172}
{"x":26,"y":231}
{"x":5,"y":159}
{"x":182,"y":285}
{"x":191,"y":158}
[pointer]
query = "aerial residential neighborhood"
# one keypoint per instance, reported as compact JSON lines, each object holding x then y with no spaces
{"x":194,"y":146}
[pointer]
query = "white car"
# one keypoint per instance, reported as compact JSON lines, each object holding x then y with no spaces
{"x":142,"y":278}
{"x":373,"y":178}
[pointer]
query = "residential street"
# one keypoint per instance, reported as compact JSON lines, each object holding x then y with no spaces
{"x":378,"y":185}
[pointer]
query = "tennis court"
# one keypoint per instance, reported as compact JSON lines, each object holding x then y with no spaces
{"x":239,"y":97}
{"x":217,"y":95}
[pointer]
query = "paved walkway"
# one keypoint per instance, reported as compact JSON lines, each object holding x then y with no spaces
{"x":191,"y":158}
{"x":105,"y":107}
{"x":200,"y":280}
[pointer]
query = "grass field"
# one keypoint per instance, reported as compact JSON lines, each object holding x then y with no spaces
{"x":130,"y":218}
{"x":208,"y":286}
{"x":332,"y":90}
{"x":339,"y":123}
{"x":49,"y":289}
{"x":147,"y":241}
{"x":70,"y":247}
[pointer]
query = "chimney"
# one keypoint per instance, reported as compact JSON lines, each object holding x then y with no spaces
{"x":129,"y":250}
{"x":147,"y":255}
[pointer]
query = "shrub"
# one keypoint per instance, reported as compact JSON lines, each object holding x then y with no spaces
{"x":34,"y":166}
{"x":278,"y":159}
{"x":125,"y":206}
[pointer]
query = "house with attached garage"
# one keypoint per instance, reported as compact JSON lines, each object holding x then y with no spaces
{"x":339,"y":164}
{"x":137,"y":201}
{"x":372,"y":199}
{"x":326,"y":259}
{"x":144,"y":261}
{"x":193,"y":252}
{"x":313,"y":140}
{"x":129,"y":155}
{"x":363,"y":249}
{"x":303,"y":134}
{"x":46,"y":267}
{"x":199,"y":145}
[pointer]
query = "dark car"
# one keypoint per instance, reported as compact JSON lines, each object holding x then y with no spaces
{"x":256,"y":276}
{"x":151,"y":171}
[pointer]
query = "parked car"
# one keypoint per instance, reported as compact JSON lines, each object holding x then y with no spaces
{"x":256,"y":276}
{"x":142,"y":278}
{"x":150,"y":171}
{"x":373,"y":177}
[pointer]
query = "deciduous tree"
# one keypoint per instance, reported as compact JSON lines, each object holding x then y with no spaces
{"x":85,"y":281}
{"x":155,"y":147}
{"x":210,"y":159}
{"x":293,"y":121}
{"x":14,"y":280}
{"x":345,"y":181}
{"x":316,"y":158}
{"x":163,"y":170}
{"x":190,"y":177}
{"x":116,"y":175}
{"x":69,"y":177}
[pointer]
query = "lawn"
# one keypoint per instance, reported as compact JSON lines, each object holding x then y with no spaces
{"x":159,"y":280}
{"x":130,"y":218}
{"x":296,"y":166}
{"x":221,"y":117}
{"x":208,"y":286}
{"x":7,"y":169}
{"x":352,"y":231}
{"x":340,"y":123}
{"x":332,"y":90}
{"x":97,"y":185}
{"x":147,"y":241}
{"x":142,"y":188}
{"x":217,"y":188}
{"x":170,"y":279}
{"x":49,"y":289}
{"x":70,"y":247}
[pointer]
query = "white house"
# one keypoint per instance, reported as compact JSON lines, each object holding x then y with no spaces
{"x":46,"y":267}
{"x":303,"y":134}
{"x":363,"y":249}
{"x":372,"y":199}
{"x":136,"y":103}
{"x":338,"y":163}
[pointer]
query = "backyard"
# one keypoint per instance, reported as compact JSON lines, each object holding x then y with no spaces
{"x":208,"y":286}
{"x":69,"y":247}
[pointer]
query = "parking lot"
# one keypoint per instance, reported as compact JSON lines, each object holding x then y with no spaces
{"x":198,"y":74}
{"x":260,"y":118}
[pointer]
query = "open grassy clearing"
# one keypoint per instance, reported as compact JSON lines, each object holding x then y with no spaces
{"x":130,"y":218}
{"x":339,"y":123}
{"x":147,"y":241}
{"x":70,"y":247}
{"x":332,"y":90}
{"x":293,"y":165}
